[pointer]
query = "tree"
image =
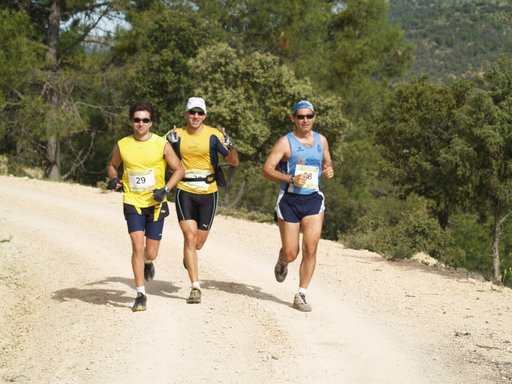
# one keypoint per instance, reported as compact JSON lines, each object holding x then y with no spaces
{"x":364,"y":53}
{"x":416,"y":133}
{"x":57,"y":115}
{"x":20,"y":56}
{"x":485,"y":123}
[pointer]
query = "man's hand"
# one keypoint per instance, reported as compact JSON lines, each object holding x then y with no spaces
{"x":227,"y":140}
{"x":300,"y":179}
{"x":172,"y":137}
{"x":115,"y":184}
{"x":159,"y":194}
{"x":328,"y":171}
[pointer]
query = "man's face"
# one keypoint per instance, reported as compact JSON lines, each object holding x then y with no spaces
{"x":141,"y":122}
{"x":304,"y":119}
{"x":195,"y":117}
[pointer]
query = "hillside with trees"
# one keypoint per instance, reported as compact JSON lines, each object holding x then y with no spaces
{"x":422,"y":164}
{"x":453,"y":38}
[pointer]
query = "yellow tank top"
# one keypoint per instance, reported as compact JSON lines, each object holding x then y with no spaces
{"x":198,"y":154}
{"x":143,"y":169}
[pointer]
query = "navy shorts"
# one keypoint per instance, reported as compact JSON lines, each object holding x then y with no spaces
{"x":198,"y":207}
{"x":292,"y":207}
{"x":150,"y":220}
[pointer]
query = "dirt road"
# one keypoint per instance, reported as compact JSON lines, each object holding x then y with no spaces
{"x":66,"y":290}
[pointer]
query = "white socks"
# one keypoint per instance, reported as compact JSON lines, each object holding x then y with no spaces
{"x":141,"y":290}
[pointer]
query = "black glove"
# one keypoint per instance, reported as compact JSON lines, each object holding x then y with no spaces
{"x":159,"y":194}
{"x":113,"y":183}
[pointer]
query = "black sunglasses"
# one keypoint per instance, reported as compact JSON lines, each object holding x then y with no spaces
{"x":302,"y":117}
{"x":145,"y":120}
{"x":192,"y":113}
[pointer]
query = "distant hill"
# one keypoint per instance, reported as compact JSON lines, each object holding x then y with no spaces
{"x":454,"y":37}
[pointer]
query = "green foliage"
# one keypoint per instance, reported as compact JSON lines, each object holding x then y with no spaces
{"x":365,"y":53}
{"x":453,"y":38}
{"x":401,"y":228}
{"x":154,"y":54}
{"x":417,"y":137}
{"x":471,"y":233}
{"x":19,"y":54}
{"x":19,"y":60}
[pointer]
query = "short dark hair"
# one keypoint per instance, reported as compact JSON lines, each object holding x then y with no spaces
{"x":143,"y":106}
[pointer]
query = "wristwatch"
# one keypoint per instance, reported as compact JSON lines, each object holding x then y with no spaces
{"x":167,"y":190}
{"x":292,"y":180}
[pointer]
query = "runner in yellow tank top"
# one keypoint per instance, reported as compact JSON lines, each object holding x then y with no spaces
{"x":198,"y":147}
{"x":144,"y":156}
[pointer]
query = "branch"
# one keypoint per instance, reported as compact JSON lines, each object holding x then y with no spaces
{"x":80,"y":157}
{"x":504,"y":218}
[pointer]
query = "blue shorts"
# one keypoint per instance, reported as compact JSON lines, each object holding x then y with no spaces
{"x":292,"y":207}
{"x":150,"y":220}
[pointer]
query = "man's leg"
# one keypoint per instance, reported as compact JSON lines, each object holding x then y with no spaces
{"x":137,"y":239}
{"x":289,"y":248}
{"x":311,"y":232}
{"x":190,"y":235}
{"x":201,"y":238}
{"x":289,"y":240}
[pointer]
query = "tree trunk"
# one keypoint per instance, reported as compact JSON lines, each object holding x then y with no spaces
{"x":52,"y":98}
{"x":238,"y":198}
{"x":442,"y":218}
{"x":496,"y":233}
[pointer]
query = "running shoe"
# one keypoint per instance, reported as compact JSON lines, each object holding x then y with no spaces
{"x":149,"y":270}
{"x":280,"y":270}
{"x":195,"y":296}
{"x":140,"y":302}
{"x":299,"y":302}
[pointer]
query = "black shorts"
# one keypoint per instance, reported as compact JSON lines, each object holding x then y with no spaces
{"x":292,"y":207}
{"x":198,"y":207}
{"x":150,"y":220}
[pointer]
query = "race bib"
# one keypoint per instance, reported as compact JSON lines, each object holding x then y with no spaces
{"x":312,"y":172}
{"x":141,"y":181}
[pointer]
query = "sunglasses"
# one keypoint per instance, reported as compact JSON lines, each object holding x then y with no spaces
{"x":192,"y":113}
{"x":302,"y":117}
{"x":145,"y":120}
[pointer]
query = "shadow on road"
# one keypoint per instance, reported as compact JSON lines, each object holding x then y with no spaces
{"x":107,"y":295}
{"x":106,"y":291}
{"x":242,"y":289}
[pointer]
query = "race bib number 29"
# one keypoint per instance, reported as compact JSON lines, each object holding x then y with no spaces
{"x":142,"y":181}
{"x":312,"y":172}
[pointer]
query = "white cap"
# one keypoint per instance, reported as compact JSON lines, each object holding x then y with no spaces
{"x":196,"y":102}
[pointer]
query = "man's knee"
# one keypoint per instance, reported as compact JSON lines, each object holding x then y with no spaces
{"x":309,"y":250}
{"x":288,"y":255}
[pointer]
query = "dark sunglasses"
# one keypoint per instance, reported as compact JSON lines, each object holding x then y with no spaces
{"x":145,"y":120}
{"x":192,"y":113}
{"x":302,"y":117}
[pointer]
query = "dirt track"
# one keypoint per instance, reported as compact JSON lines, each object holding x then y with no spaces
{"x":66,"y":289}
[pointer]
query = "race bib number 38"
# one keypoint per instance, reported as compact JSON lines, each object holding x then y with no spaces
{"x":142,"y":181}
{"x":312,"y":172}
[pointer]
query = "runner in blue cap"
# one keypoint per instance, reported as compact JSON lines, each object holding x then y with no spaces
{"x":297,"y":162}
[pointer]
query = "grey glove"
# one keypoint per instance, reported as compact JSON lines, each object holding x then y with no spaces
{"x":227,"y":141}
{"x":172,"y":137}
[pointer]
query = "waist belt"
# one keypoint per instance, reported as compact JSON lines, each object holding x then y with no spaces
{"x":207,"y":179}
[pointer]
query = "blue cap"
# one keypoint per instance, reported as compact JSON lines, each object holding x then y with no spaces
{"x":303,"y":104}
